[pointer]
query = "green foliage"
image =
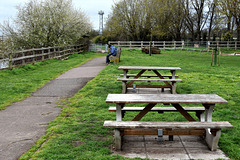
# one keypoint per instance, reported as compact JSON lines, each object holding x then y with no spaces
{"x":78,"y":131}
{"x":100,"y":39}
{"x":46,"y":23}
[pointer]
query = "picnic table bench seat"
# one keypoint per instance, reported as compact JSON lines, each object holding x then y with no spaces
{"x":199,"y":110}
{"x":211,"y":130}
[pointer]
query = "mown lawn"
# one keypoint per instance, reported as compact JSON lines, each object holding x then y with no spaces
{"x":77,"y":133}
{"x":18,"y":83}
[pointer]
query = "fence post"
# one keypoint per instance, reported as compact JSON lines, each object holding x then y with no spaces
{"x":217,"y":44}
{"x":23,"y":55}
{"x":153,"y":44}
{"x":164,"y":43}
{"x":236,"y":45}
{"x":42,"y":54}
{"x":34,"y":56}
{"x":54,"y":52}
{"x":209,"y":43}
{"x":118,"y":43}
{"x":141,"y":44}
{"x":10,"y":61}
{"x":130,"y":46}
{"x":48,"y":52}
{"x":227,"y":44}
{"x":182,"y":45}
{"x":174,"y":45}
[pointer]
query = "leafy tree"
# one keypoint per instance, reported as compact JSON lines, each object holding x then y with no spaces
{"x":46,"y":23}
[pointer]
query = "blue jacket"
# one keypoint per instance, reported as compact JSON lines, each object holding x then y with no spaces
{"x":113,"y":50}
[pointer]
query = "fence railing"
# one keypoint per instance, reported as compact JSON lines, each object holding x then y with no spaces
{"x":98,"y":47}
{"x":20,"y":58}
{"x":201,"y":45}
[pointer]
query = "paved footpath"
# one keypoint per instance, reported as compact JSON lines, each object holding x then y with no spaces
{"x":23,"y":123}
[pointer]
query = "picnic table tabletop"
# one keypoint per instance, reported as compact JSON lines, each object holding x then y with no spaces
{"x":148,"y":68}
{"x":165,"y":98}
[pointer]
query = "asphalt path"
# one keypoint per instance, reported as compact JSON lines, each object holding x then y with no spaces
{"x":24,"y":122}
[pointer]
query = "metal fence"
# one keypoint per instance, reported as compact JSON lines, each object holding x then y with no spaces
{"x":187,"y":45}
{"x":98,"y":47}
{"x":20,"y":58}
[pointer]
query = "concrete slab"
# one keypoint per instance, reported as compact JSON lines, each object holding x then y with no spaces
{"x":183,"y":147}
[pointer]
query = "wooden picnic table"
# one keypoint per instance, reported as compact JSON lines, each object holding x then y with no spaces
{"x":169,"y":80}
{"x":211,"y":130}
{"x":207,"y":100}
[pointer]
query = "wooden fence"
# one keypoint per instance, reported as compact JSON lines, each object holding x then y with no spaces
{"x":202,"y":45}
{"x":20,"y":58}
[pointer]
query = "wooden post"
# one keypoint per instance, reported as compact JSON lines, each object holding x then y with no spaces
{"x":150,"y":48}
{"x":23,"y":55}
{"x":182,"y":45}
{"x":34,"y":57}
{"x":174,"y":45}
{"x":212,"y":58}
{"x":219,"y":55}
{"x":42,"y":54}
{"x":130,"y":45}
{"x":153,"y":44}
{"x":236,"y":45}
{"x":10,"y":61}
{"x":118,"y":43}
{"x":164,"y":43}
{"x":141,"y":44}
{"x":209,"y":43}
{"x":48,"y":52}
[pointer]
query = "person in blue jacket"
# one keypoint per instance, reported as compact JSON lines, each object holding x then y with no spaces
{"x":113,"y":52}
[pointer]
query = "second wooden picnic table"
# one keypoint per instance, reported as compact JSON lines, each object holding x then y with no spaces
{"x":169,"y":80}
{"x":212,"y":130}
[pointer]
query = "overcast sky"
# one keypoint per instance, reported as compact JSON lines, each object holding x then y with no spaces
{"x":90,"y":8}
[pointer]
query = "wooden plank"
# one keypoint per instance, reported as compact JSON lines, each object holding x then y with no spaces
{"x":148,"y":75}
{"x":165,"y":98}
{"x":162,"y":109}
{"x":199,"y":132}
{"x":148,"y":68}
{"x":183,"y":112}
{"x":144,"y":112}
{"x":166,"y":125}
{"x":162,"y":80}
{"x":149,"y":86}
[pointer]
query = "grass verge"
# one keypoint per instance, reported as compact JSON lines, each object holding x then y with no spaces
{"x":17,"y":84}
{"x":77,"y":133}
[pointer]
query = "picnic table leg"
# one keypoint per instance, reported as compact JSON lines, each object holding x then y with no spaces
{"x":174,"y":84}
{"x":117,"y":134}
{"x":208,"y":112}
{"x":211,"y":140}
{"x":174,"y":87}
{"x":124,"y":83}
{"x":117,"y":139}
{"x":119,"y":113}
{"x":124,"y":87}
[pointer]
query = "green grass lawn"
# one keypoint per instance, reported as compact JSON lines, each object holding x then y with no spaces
{"x":78,"y":133}
{"x":18,"y":83}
